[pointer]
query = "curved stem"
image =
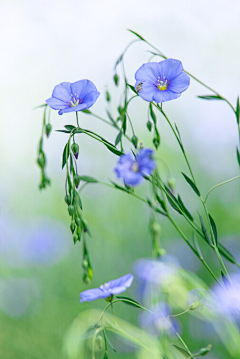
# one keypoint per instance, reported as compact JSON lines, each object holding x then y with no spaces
{"x":220,"y":184}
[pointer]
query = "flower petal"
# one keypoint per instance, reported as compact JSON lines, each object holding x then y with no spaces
{"x":170,"y":68}
{"x":147,"y":91}
{"x":132,"y":179}
{"x":82,"y":106}
{"x":92,"y":294}
{"x":147,"y":72}
{"x":82,"y":87}
{"x":56,"y":104}
{"x":90,"y":98}
{"x":179,"y":83}
{"x":167,"y":95}
{"x":125,"y":281}
{"x":62,"y":91}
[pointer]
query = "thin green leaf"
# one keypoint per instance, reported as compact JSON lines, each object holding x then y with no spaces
{"x":196,"y":245}
{"x":133,"y":302}
{"x":172,"y":200}
{"x":190,"y":182}
{"x":238,"y":157}
{"x":210,"y":97}
{"x":132,"y":88}
{"x":65,"y":131}
{"x":179,"y":136}
{"x":120,"y":187}
{"x":118,"y":61}
{"x":237,"y":111}
{"x":118,"y":138}
{"x":182,"y":351}
{"x":65,"y":155}
{"x":110,"y":116}
{"x":44,"y":105}
{"x":124,"y":123}
{"x":205,"y":232}
{"x":86,"y":111}
{"x":136,"y":34}
{"x":184,"y":209}
{"x":108,"y":341}
{"x":226,"y":254}
{"x":77,"y":199}
{"x":214,"y":228}
{"x":69,"y":127}
{"x":88,"y":179}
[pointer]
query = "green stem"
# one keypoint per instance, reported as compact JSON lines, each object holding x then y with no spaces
{"x":220,"y":184}
{"x":77,"y":119}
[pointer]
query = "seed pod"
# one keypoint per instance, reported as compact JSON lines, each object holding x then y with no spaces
{"x":108,"y":97}
{"x":172,"y":183}
{"x":76,"y":180}
{"x":116,"y":79}
{"x":72,"y":226}
{"x":41,"y":162}
{"x":75,"y":238}
{"x":78,"y":221}
{"x":48,"y":129}
{"x":85,"y":264}
{"x":149,"y":126}
{"x":75,"y":149}
{"x":134,"y":141}
{"x":67,"y":199}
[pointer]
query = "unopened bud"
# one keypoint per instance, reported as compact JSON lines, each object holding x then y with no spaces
{"x":76,"y":180}
{"x":108,"y":97}
{"x":72,"y":226}
{"x":99,"y":341}
{"x":85,"y":264}
{"x":172,"y":183}
{"x":48,"y":129}
{"x":149,"y":126}
{"x":156,"y":227}
{"x":116,"y":79}
{"x":78,"y":221}
{"x":194,"y":305}
{"x":41,"y":162}
{"x":205,"y":351}
{"x":134,"y":141}
{"x":156,"y":142}
{"x":120,"y":110}
{"x":71,"y":210}
{"x":67,"y":199}
{"x":162,"y":252}
{"x":75,"y":149}
{"x":75,"y":238}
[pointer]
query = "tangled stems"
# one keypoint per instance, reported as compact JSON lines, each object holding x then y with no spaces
{"x":214,"y":244}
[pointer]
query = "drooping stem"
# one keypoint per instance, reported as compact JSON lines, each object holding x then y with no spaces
{"x":220,"y":184}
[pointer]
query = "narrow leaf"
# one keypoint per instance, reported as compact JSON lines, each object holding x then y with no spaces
{"x":133,"y":89}
{"x":226,"y":254}
{"x":118,"y":138}
{"x":118,"y":61}
{"x":120,"y":187}
{"x":237,"y":111}
{"x":136,"y":34}
{"x":205,"y":232}
{"x":238,"y":157}
{"x":65,"y":131}
{"x":86,"y":111}
{"x":172,"y":200}
{"x":110,"y":116}
{"x":210,"y":97}
{"x":182,"y":351}
{"x":88,"y":179}
{"x":65,"y":155}
{"x":124,"y":123}
{"x":184,"y":209}
{"x":77,"y":199}
{"x":214,"y":228}
{"x":192,"y":184}
{"x":69,"y":127}
{"x":133,"y":302}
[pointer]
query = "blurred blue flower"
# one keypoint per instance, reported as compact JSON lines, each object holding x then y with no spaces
{"x":113,"y":287}
{"x":161,"y":81}
{"x":76,"y":96}
{"x":158,"y":320}
{"x":133,"y":170}
{"x":226,"y":301}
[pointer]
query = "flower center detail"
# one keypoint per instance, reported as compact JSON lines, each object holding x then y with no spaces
{"x":162,"y":84}
{"x":135,"y":167}
{"x":74,"y":100}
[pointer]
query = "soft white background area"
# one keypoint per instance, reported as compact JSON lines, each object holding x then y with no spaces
{"x":43,"y":43}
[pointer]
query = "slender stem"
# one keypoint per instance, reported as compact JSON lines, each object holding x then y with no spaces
{"x":177,"y":315}
{"x":220,"y":184}
{"x":77,"y":119}
{"x":94,"y":339}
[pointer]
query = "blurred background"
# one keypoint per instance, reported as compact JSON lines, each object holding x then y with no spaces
{"x":44,"y":43}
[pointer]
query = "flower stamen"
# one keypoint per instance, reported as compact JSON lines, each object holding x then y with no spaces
{"x":74,"y":102}
{"x":135,"y":167}
{"x":162,"y":84}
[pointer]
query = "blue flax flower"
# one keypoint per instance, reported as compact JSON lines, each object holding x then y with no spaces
{"x":161,"y":81}
{"x":76,"y":96}
{"x":113,"y":287}
{"x":133,"y":170}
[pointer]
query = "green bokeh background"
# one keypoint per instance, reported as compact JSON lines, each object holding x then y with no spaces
{"x":45,"y":45}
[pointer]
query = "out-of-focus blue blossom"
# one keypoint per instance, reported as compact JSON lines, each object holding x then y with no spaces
{"x":76,"y":96}
{"x":40,"y":243}
{"x":132,"y":170}
{"x":226,"y":301}
{"x":113,"y":287}
{"x":18,"y":296}
{"x":158,"y":320}
{"x":161,"y":81}
{"x":152,"y":274}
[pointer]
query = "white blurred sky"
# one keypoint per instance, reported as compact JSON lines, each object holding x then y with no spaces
{"x":43,"y":43}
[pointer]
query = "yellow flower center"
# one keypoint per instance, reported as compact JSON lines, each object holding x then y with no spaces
{"x":162,"y":84}
{"x":135,"y":167}
{"x":74,"y":102}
